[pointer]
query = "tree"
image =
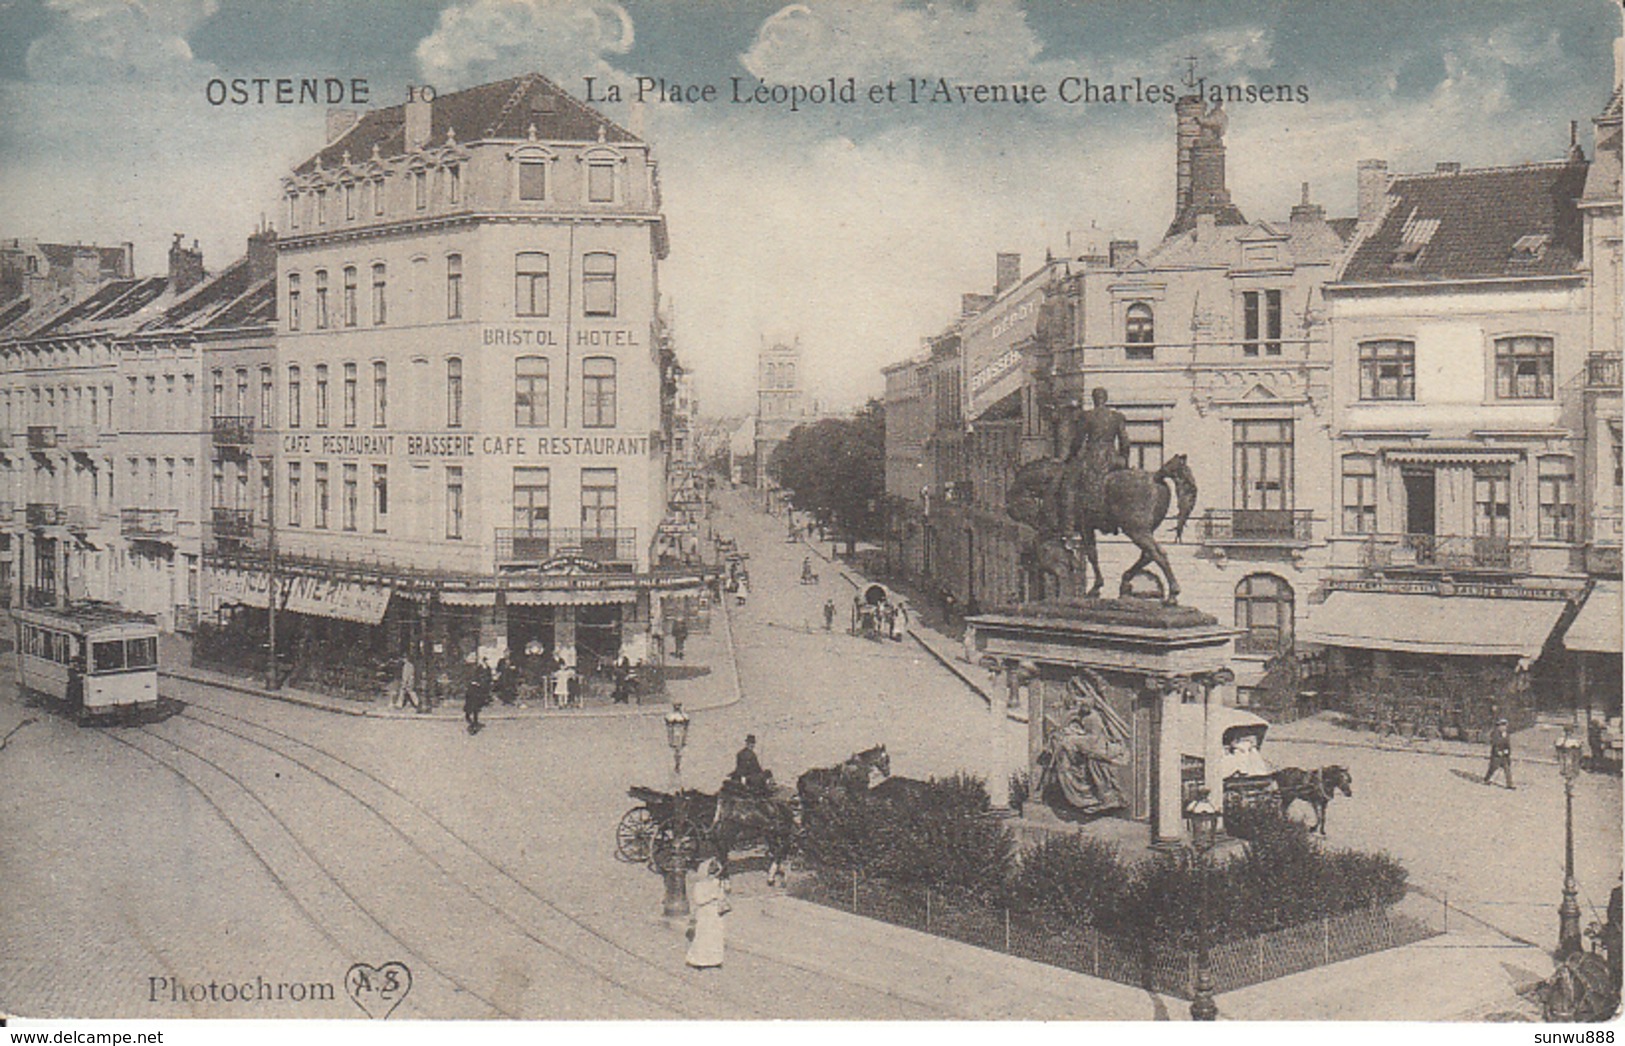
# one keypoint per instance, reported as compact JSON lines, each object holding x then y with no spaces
{"x":836,"y":469}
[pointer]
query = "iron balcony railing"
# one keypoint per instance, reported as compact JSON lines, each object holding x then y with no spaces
{"x":235,"y":524}
{"x":1602,"y":371}
{"x":517,"y":546}
{"x":1256,"y":526}
{"x":520,"y":546}
{"x":43,"y":514}
{"x":148,"y":522}
{"x":232,"y":430}
{"x":41,"y":437}
{"x":1446,"y":552}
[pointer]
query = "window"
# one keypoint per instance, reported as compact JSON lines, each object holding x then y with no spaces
{"x":1388,"y":370}
{"x":454,"y":502}
{"x":420,"y":189}
{"x":454,"y":393}
{"x":293,"y":301}
{"x":267,"y":398}
{"x":349,"y":310}
{"x":322,"y":494}
{"x":1145,"y":445}
{"x":245,"y":497}
{"x":242,"y":391}
{"x":293,"y":397}
{"x":1492,"y":504}
{"x":598,"y":502}
{"x":321,"y":299}
{"x":598,"y":392}
{"x":378,"y":196}
{"x":322,"y":415}
{"x":598,"y":284}
{"x":530,"y":284}
{"x":349,"y":201}
{"x":1359,"y":494}
{"x":1261,"y":316}
{"x":380,"y":394}
{"x":530,"y":500}
{"x":1139,"y":331}
{"x":378,"y":311}
{"x":530,"y":392}
{"x":1556,"y":499}
{"x":380,"y":498}
{"x":217,"y":483}
{"x":1264,"y":609}
{"x":601,"y":181}
{"x":265,"y":487}
{"x":217,"y":405}
{"x":293,"y":210}
{"x":1523,"y":368}
{"x":294,"y":509}
{"x":1262,"y":467}
{"x":454,"y":286}
{"x":532,"y":180}
{"x":454,"y":184}
{"x":321,"y":206}
{"x":351,"y":476}
{"x":350,"y":384}
{"x":105,"y":657}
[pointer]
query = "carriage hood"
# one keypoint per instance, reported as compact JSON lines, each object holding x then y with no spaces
{"x":1241,"y":732}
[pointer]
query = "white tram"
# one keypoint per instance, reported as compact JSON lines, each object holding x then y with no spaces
{"x":96,"y":660}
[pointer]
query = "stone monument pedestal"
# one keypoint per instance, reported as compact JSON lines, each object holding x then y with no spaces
{"x":1150,"y":659}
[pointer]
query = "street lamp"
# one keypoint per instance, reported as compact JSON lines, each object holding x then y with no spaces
{"x":1203,"y":819}
{"x":1568,"y":913}
{"x":675,"y":873}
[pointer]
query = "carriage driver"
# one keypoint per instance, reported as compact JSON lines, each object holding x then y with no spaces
{"x":748,"y":772}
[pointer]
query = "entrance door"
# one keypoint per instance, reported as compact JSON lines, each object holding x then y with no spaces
{"x":1421,"y":513}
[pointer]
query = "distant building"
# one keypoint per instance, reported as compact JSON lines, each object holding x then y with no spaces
{"x":55,"y":274}
{"x":780,"y":405}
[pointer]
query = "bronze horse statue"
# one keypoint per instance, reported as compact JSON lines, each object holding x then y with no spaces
{"x":1133,"y":501}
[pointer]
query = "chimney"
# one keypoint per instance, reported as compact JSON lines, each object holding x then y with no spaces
{"x":1007,"y":271}
{"x":1121,"y":252}
{"x":1187,"y":111}
{"x":418,"y":113}
{"x":262,"y":254}
{"x":339,"y":122}
{"x":185,"y":266}
{"x":1373,"y":188}
{"x":126,"y":269}
{"x":1447,"y":167}
{"x":1576,"y":153}
{"x":1306,"y":211}
{"x":1206,"y":223}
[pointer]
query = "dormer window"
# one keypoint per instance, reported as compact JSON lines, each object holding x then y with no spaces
{"x":293,"y":210}
{"x":349,"y":201}
{"x":420,"y":189}
{"x":1413,"y":239}
{"x":532,"y":180}
{"x":1530,"y":248}
{"x":321,"y":206}
{"x":454,"y":184}
{"x":378,"y":196}
{"x":601,"y":181}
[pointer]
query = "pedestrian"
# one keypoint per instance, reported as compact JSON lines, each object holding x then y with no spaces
{"x":679,"y":636}
{"x":406,"y":694}
{"x":1500,"y":753}
{"x":506,"y":684}
{"x":829,"y":613}
{"x":708,"y":901}
{"x":743,"y":595}
{"x":476,"y":695}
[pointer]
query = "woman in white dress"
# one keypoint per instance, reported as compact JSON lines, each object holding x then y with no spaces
{"x":708,"y":901}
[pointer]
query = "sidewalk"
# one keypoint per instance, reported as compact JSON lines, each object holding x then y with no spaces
{"x":1533,"y":745}
{"x":717,"y":688}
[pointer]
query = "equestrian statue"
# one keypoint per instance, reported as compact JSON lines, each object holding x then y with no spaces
{"x":1092,"y":490}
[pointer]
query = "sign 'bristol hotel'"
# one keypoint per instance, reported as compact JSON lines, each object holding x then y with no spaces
{"x":470,"y":366}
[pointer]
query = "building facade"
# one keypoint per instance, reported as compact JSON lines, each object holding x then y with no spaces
{"x":780,"y":405}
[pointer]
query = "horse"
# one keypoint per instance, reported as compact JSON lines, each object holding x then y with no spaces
{"x":1315,"y":787}
{"x":1133,"y":501}
{"x":744,"y":818}
{"x":851,"y":777}
{"x":910,"y":791}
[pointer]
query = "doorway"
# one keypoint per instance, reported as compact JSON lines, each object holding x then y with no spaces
{"x":1420,"y":502}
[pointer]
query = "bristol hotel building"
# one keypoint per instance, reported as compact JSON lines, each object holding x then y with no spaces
{"x":469,"y":384}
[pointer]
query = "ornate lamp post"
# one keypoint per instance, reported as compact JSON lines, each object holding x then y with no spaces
{"x":1203,"y":818}
{"x":676,"y":873}
{"x":1568,"y":913}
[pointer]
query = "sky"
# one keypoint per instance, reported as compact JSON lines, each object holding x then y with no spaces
{"x":854,"y":228}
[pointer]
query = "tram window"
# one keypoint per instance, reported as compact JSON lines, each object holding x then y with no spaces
{"x":109,"y":656}
{"x":141,"y":653}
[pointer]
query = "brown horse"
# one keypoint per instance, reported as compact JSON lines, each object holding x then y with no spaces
{"x":1133,"y":501}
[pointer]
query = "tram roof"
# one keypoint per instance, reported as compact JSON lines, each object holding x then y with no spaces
{"x":88,"y":618}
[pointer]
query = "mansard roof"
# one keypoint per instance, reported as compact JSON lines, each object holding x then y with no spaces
{"x":507,"y":109}
{"x":1475,"y":224}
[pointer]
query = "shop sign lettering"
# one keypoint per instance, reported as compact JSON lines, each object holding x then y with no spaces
{"x":460,"y":445}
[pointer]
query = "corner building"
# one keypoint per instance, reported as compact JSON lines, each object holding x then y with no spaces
{"x":470,"y":370}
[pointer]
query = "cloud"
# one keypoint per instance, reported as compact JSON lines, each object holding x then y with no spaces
{"x":483,"y":40}
{"x":97,"y":41}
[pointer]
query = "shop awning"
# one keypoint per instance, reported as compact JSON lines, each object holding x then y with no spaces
{"x":572,"y":598}
{"x":1429,"y":624}
{"x":341,"y":600}
{"x":1598,"y":627}
{"x":468,"y":599}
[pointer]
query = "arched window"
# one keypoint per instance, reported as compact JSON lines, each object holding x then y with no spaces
{"x":1264,"y":610}
{"x":1139,"y":329}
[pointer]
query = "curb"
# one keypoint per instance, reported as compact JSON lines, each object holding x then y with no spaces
{"x":1477,"y":757}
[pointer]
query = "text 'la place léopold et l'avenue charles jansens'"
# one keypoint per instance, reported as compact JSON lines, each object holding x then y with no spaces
{"x":925,"y":90}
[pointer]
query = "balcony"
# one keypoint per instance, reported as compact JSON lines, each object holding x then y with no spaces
{"x":78,"y":517}
{"x":1446,"y":553}
{"x":1602,"y":371}
{"x":232,"y":524}
{"x":79,"y":438}
{"x":43,"y":513}
{"x":1256,"y":526}
{"x":520,"y":547}
{"x":42,"y":437}
{"x":149,"y":523}
{"x":232,"y":431}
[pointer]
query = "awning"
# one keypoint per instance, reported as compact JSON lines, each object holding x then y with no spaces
{"x":468,"y":599}
{"x":342,"y":600}
{"x":1598,"y":627}
{"x":571,"y":598}
{"x":1431,"y":624}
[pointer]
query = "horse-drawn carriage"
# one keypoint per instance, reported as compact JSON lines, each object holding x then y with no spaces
{"x":672,"y":830}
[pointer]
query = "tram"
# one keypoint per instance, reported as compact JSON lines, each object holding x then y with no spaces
{"x":95,"y":660}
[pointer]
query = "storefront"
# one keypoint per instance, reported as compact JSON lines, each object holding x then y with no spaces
{"x":1594,"y":647}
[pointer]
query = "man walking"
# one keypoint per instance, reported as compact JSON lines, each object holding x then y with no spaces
{"x":829,"y":614}
{"x":477,"y":695}
{"x":407,"y":695}
{"x":1500,"y":753}
{"x":679,"y":636}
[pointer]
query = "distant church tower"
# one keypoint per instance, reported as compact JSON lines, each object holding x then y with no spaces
{"x":779,"y":406}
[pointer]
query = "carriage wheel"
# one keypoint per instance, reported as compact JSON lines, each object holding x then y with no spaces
{"x":633,"y":835}
{"x":674,"y":845}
